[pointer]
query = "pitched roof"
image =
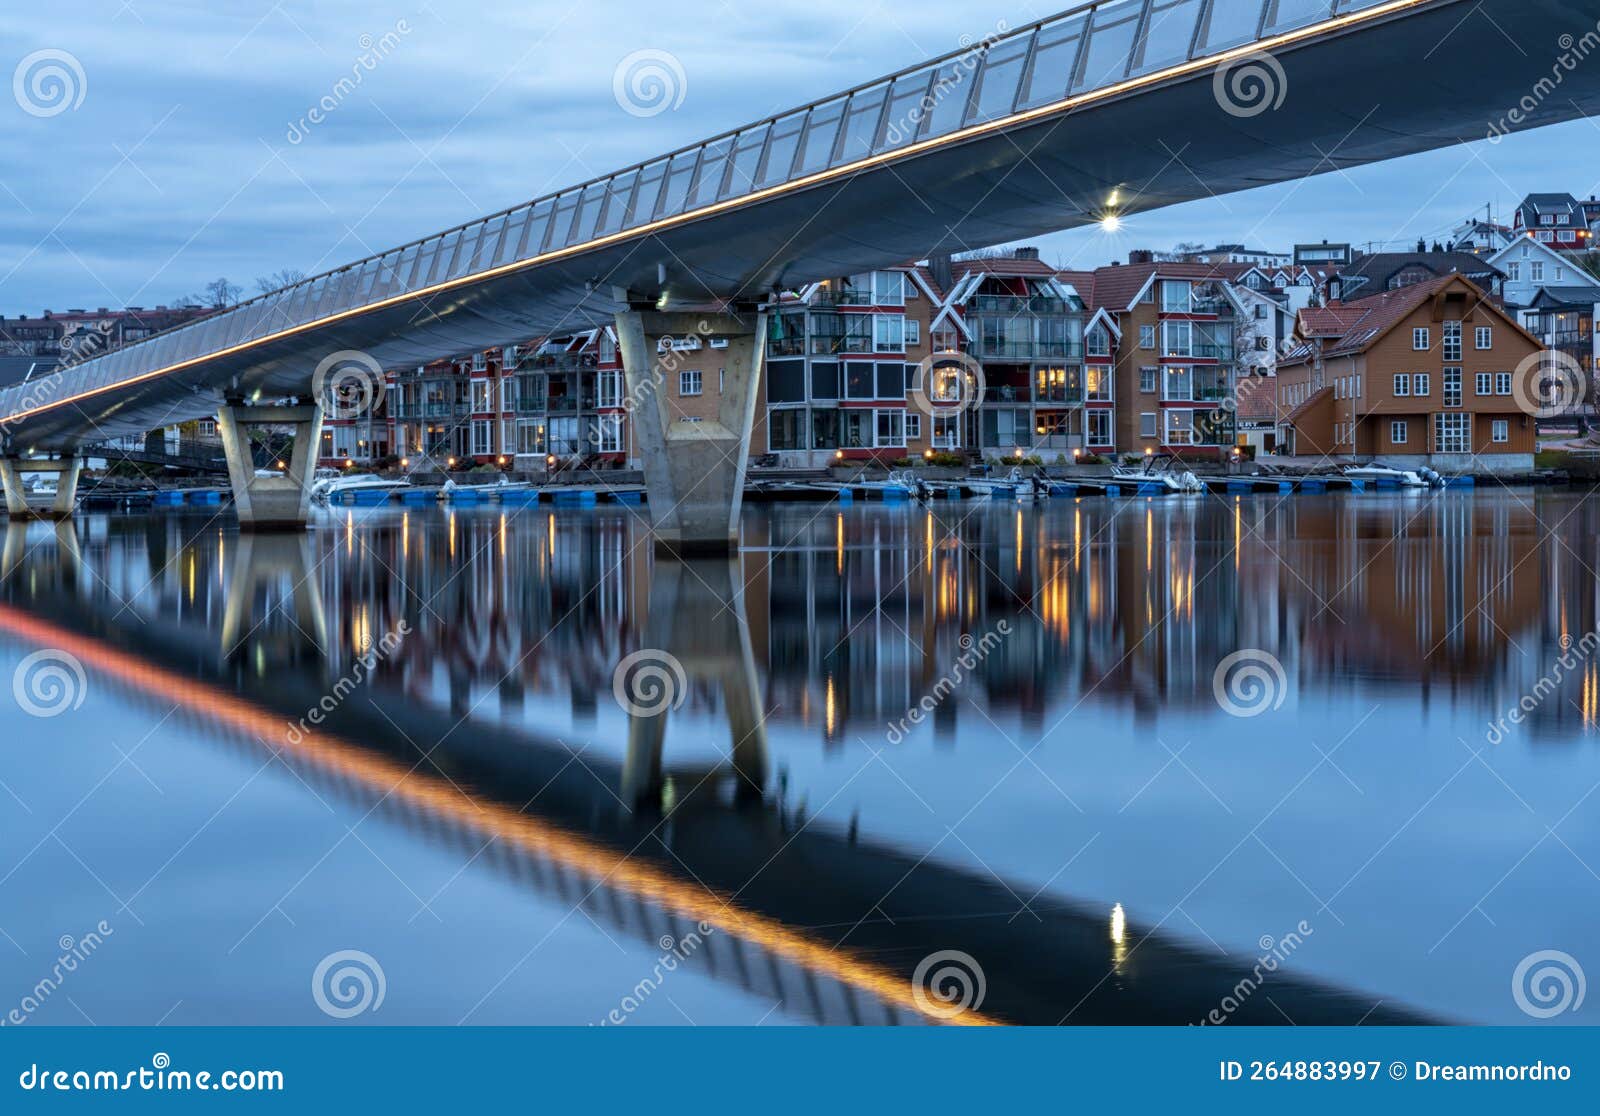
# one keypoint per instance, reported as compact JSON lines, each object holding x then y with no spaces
{"x":1116,"y":287}
{"x":1580,"y":295}
{"x":1380,"y":313}
{"x":1310,"y":402}
{"x":1328,"y":321}
{"x":1375,"y":272}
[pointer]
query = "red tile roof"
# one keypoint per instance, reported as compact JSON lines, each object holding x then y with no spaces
{"x":1366,"y":320}
{"x":1116,"y":287}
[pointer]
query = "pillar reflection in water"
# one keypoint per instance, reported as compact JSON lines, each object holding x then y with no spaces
{"x":696,"y":625}
{"x":56,"y":564}
{"x":273,"y":611}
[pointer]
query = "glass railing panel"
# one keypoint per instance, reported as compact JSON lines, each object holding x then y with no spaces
{"x":643,"y":207}
{"x":946,"y":105}
{"x":713,"y":166}
{"x":908,"y":104}
{"x":822,"y":129}
{"x":1168,"y":35}
{"x":588,"y":214}
{"x":1055,"y":59}
{"x":778,"y":162}
{"x":1286,"y":15}
{"x":861,"y":123}
{"x":676,"y":189}
{"x":439,"y":260}
{"x":1229,"y":23}
{"x":746,"y":161}
{"x":531,"y":237}
{"x":1105,"y":60}
{"x":999,"y":79}
{"x":486,"y":242}
{"x":619,"y":195}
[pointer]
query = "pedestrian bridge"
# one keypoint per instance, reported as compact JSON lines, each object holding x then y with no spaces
{"x":1110,"y":109}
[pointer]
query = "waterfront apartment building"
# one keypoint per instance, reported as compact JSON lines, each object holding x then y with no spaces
{"x":1160,"y":358}
{"x":1419,"y":375}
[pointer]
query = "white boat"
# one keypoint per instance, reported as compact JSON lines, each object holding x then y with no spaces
{"x":1377,"y":472}
{"x":333,"y":490}
{"x":1010,"y":486}
{"x":1172,"y":480}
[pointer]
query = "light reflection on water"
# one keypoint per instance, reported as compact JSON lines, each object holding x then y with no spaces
{"x":1069,"y":767}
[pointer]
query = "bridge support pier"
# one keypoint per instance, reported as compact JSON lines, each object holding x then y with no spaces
{"x":275,"y":503}
{"x":66,"y":471}
{"x":694,"y":471}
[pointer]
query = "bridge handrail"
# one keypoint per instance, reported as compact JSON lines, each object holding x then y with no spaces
{"x":991,"y":79}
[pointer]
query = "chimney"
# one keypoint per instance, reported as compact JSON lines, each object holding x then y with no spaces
{"x":1141,"y":256}
{"x":1025,"y":254}
{"x":939,"y":267}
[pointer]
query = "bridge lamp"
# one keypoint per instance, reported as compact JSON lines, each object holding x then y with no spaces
{"x":1111,"y":223}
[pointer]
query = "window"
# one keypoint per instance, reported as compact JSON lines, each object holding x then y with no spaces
{"x":1398,"y":432}
{"x":888,"y":333}
{"x":1420,"y":340}
{"x":1147,"y":337}
{"x":481,"y":437}
{"x":1147,"y":379}
{"x":1147,"y":425}
{"x":1402,"y":384}
{"x":1485,"y":337}
{"x":1536,"y":271}
{"x":609,"y":383}
{"x":913,"y":332}
{"x":1502,"y":383}
{"x":1180,"y":428}
{"x":1452,"y":340}
{"x":1451,"y":433}
{"x":1514,"y":271}
{"x":1484,"y":383}
{"x":946,"y":431}
{"x":1099,"y":428}
{"x":1099,"y":342}
{"x":609,"y":434}
{"x":1097,"y":384}
{"x":480,"y":363}
{"x":689,"y":382}
{"x":913,"y":427}
{"x":1174,"y":297}
{"x":888,"y":288}
{"x":1177,"y":338}
{"x":1500,"y":430}
{"x":1419,"y":384}
{"x":891,"y":428}
{"x":1452,"y":387}
{"x":480,"y":395}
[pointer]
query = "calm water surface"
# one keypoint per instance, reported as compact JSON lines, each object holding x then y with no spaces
{"x":1153,"y":743}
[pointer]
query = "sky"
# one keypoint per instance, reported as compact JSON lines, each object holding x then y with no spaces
{"x":184,"y":149}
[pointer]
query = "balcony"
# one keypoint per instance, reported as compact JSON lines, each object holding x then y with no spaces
{"x":1571,"y":339}
{"x":989,"y":349}
{"x":558,"y":362}
{"x":1018,"y":304}
{"x":786,"y":346}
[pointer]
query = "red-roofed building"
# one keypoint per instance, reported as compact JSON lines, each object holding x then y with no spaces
{"x":1423,"y":374}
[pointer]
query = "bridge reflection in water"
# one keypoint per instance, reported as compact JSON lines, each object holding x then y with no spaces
{"x":834,"y":623}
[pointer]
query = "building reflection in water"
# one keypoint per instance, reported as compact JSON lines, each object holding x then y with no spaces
{"x":845,"y":619}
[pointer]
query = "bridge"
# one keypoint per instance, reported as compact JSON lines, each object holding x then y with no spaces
{"x":826,"y":917}
{"x":1110,"y":109}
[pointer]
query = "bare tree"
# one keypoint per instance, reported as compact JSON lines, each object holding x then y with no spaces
{"x":220,"y":294}
{"x":283,"y":277}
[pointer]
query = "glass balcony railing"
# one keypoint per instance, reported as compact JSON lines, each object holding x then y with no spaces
{"x":1037,"y":305}
{"x":990,"y":349}
{"x":1090,"y":47}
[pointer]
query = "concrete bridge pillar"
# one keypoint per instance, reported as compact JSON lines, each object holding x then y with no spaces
{"x":66,"y":471}
{"x":694,"y":471}
{"x":281,"y":502}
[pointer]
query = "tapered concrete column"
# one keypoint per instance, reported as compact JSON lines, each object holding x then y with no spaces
{"x":276,"y":503}
{"x":696,"y":631}
{"x":66,"y":470}
{"x":694,"y":471}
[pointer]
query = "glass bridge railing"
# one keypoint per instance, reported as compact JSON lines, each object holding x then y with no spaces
{"x":1087,"y":48}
